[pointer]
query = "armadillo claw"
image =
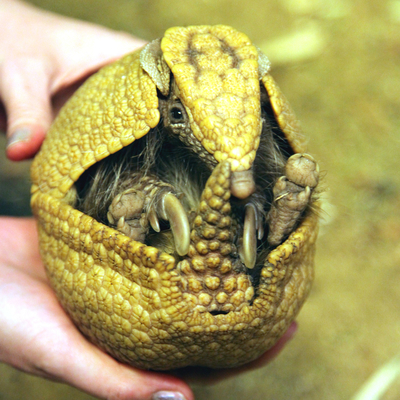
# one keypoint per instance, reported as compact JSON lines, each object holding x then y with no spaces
{"x":242,"y":184}
{"x":153,"y":220}
{"x":248,"y":249}
{"x":172,"y":210}
{"x":133,"y":210}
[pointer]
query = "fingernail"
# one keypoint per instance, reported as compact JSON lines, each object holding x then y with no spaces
{"x":164,"y":395}
{"x":20,"y":135}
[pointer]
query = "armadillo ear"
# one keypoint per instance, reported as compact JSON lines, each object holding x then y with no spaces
{"x":152,"y":61}
{"x":264,"y":65}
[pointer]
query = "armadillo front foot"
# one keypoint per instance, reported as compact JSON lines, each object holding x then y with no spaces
{"x":292,"y":195}
{"x":134,"y":210}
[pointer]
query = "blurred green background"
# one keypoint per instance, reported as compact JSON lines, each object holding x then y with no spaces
{"x":338,"y":63}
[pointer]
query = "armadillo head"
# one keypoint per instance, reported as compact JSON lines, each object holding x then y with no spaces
{"x":216,"y":73}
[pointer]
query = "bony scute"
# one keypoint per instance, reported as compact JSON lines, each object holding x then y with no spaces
{"x":195,"y":225}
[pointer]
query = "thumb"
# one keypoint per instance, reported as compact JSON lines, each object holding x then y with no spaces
{"x":24,"y":91}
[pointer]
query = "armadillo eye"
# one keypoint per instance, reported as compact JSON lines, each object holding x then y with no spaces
{"x":176,"y":115}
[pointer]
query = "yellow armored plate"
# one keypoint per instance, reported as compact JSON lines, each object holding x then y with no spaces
{"x":112,"y":109}
{"x":216,"y":70}
{"x":284,"y":115}
{"x":143,"y":306}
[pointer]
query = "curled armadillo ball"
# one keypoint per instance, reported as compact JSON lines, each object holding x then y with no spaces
{"x":176,"y":204}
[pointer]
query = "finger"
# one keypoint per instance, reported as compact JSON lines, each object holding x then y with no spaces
{"x":86,"y":48}
{"x":19,"y":246}
{"x":24,"y":91}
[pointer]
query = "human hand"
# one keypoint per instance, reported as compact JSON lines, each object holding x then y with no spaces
{"x":40,"y":67}
{"x":37,"y":336}
{"x":47,"y":59}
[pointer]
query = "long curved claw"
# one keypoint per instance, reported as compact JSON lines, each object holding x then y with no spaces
{"x":259,"y":222}
{"x":248,"y":249}
{"x":153,"y":220}
{"x":173,"y":211}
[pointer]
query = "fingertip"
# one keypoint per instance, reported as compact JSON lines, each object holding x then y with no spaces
{"x":24,"y":143}
{"x":291,"y":331}
{"x":152,"y":385}
{"x":25,"y":97}
{"x":170,"y":387}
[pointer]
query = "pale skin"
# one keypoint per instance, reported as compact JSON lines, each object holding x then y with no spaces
{"x":47,"y":58}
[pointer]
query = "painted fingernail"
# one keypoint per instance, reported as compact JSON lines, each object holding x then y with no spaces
{"x":164,"y":395}
{"x":20,"y":135}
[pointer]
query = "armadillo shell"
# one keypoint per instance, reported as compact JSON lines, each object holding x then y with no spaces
{"x":131,"y":299}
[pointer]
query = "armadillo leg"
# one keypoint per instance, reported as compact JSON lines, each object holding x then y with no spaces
{"x":292,"y":195}
{"x":212,"y":271}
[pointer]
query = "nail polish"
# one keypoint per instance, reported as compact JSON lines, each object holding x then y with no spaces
{"x":19,"y":135}
{"x":165,"y":395}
